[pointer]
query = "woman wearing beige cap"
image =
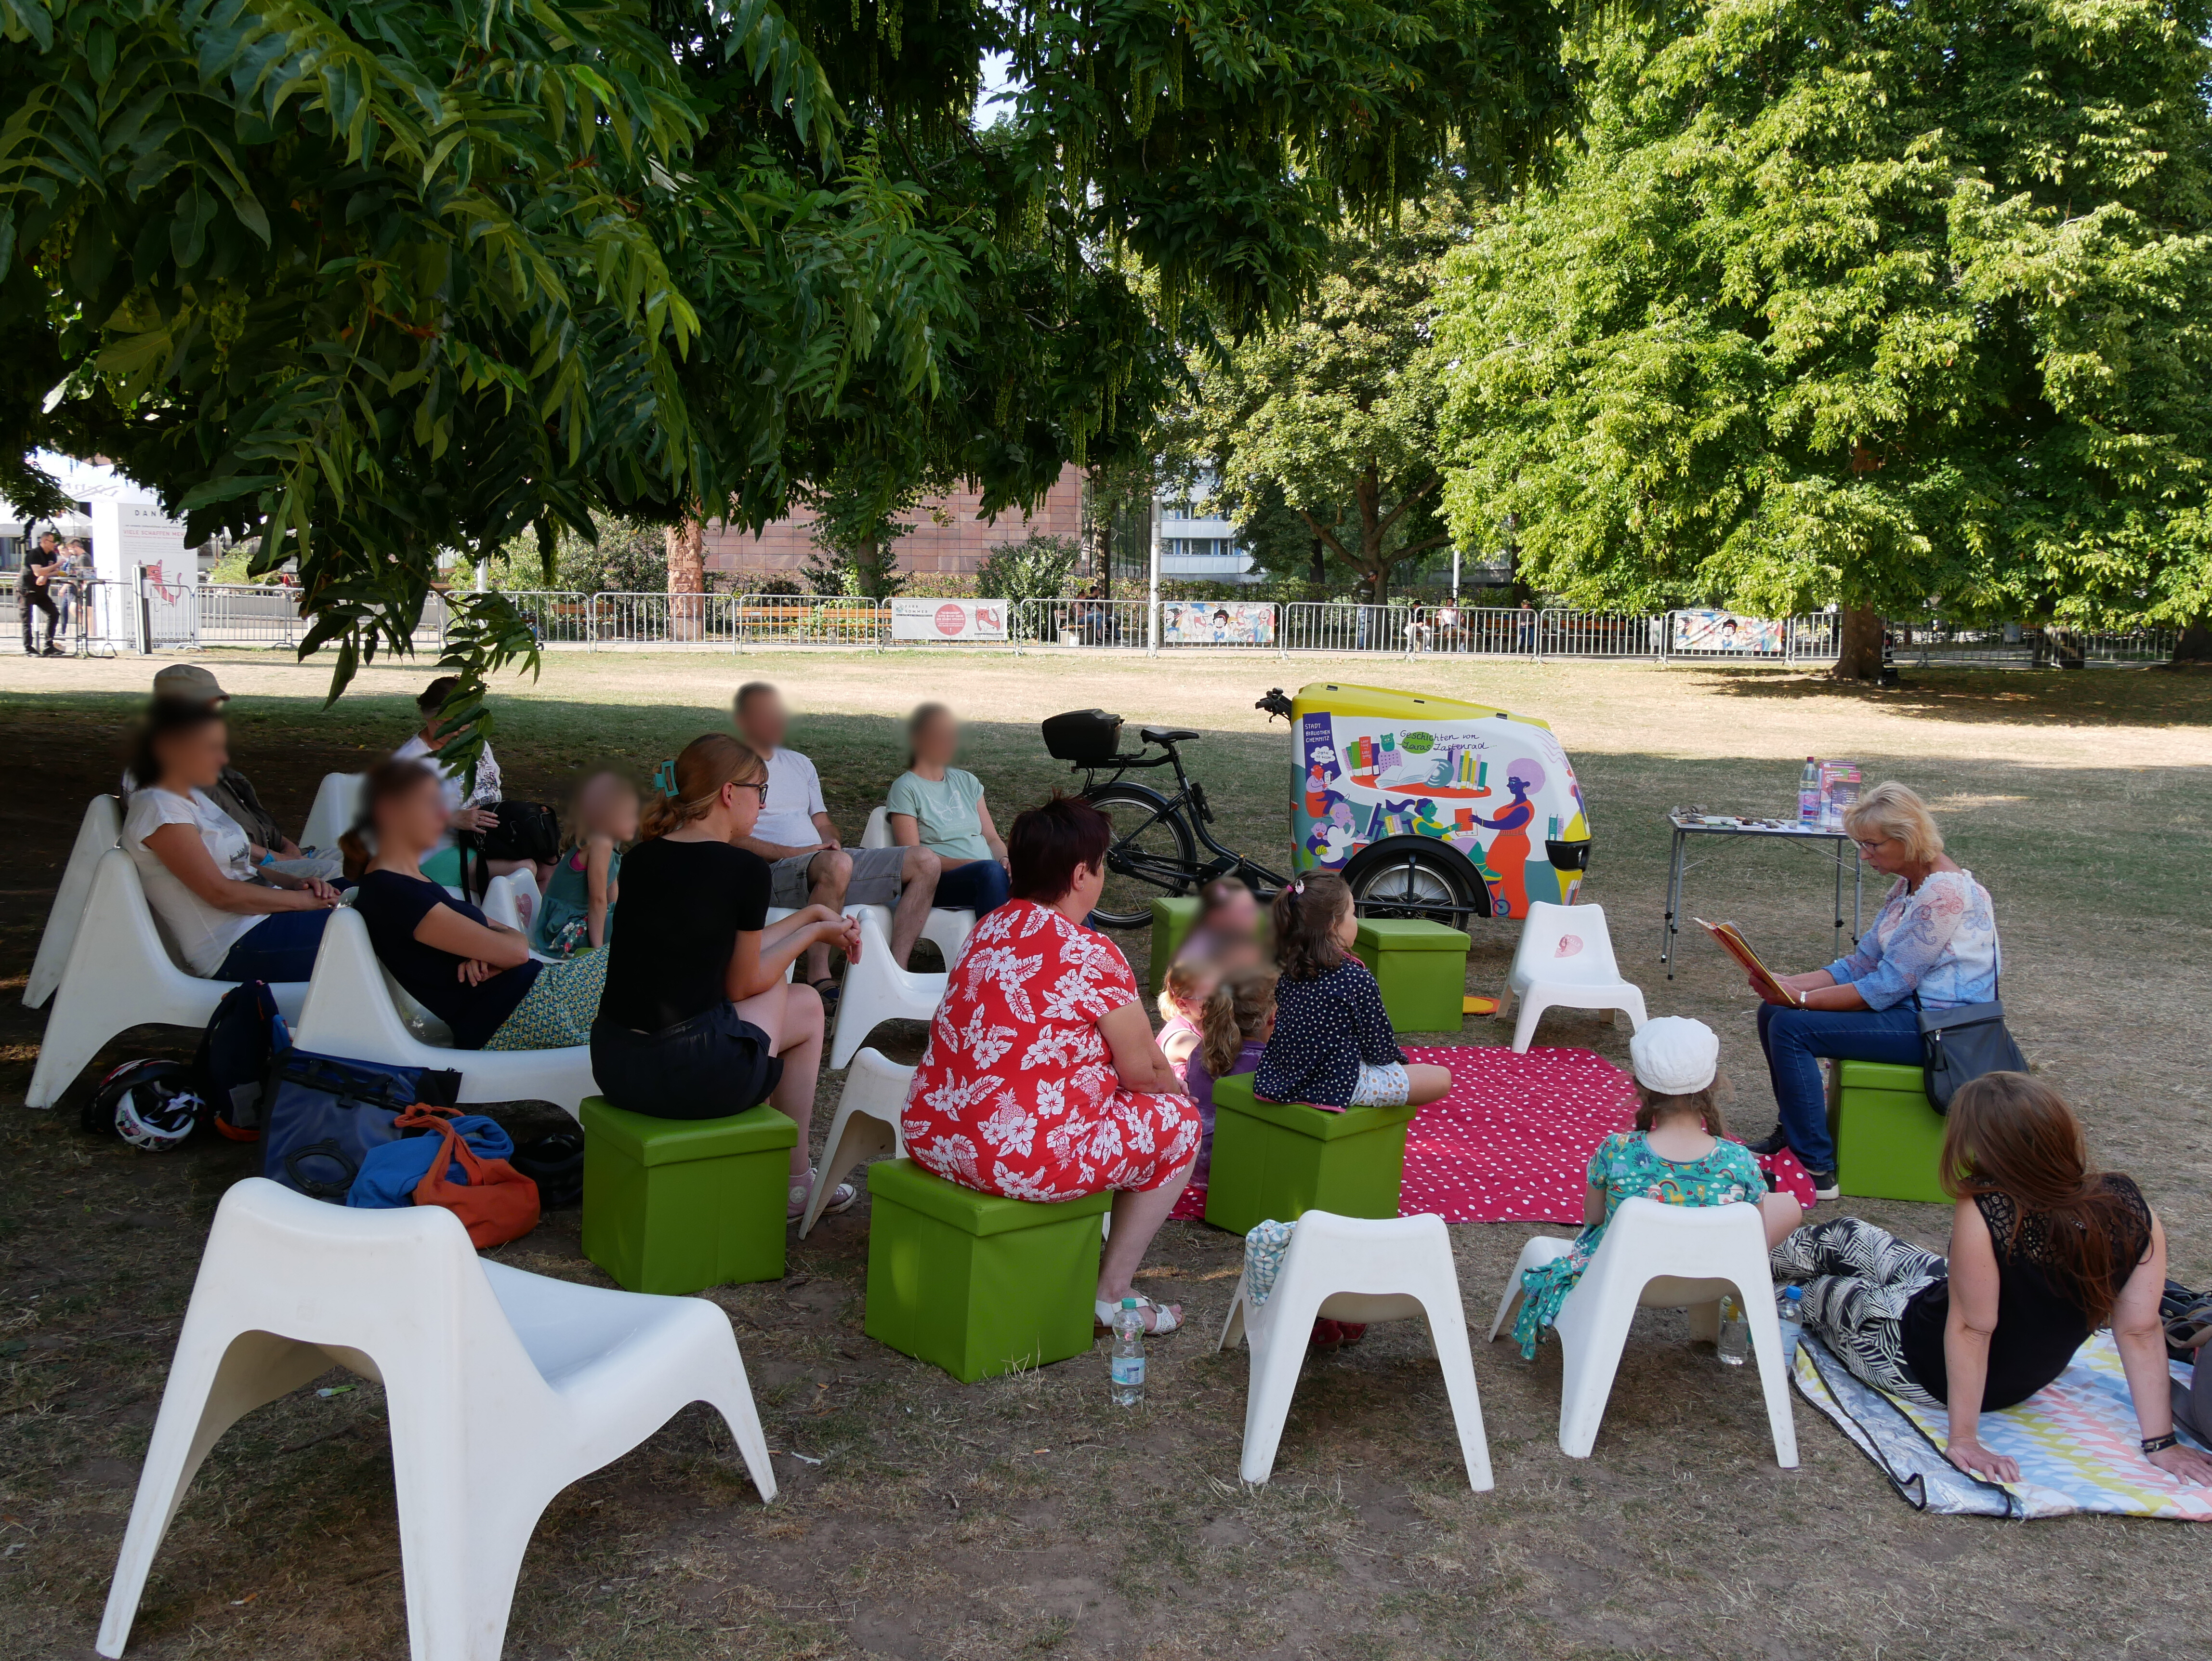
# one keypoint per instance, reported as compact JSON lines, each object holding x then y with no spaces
{"x":190,"y":685}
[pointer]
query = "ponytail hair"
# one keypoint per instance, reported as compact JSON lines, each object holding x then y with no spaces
{"x":688,"y":787}
{"x":1304,"y":916}
{"x":387,"y":782}
{"x":1236,"y":1013}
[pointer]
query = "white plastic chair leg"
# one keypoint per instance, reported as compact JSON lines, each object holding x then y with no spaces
{"x":1448,"y":1338}
{"x":95,"y":834}
{"x":1524,"y":1029}
{"x":1275,"y":1365}
{"x":866,"y":1127}
{"x":1590,"y":1357}
{"x":1542,"y":1250}
{"x":216,"y":1380}
{"x":877,"y":989}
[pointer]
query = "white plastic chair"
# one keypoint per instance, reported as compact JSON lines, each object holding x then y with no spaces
{"x":120,"y":974}
{"x":867,"y":1125}
{"x":877,"y":989}
{"x":338,"y":805}
{"x":948,"y":927}
{"x":1655,"y":1255}
{"x":501,"y":1388}
{"x":353,"y":1009}
{"x":97,"y":832}
{"x":1363,"y":1269}
{"x":1565,"y":961}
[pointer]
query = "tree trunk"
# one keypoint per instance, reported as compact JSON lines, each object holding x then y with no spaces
{"x":687,"y":579}
{"x":1859,"y":656}
{"x":2195,"y":645}
{"x":1317,"y":573}
{"x":1374,"y":570}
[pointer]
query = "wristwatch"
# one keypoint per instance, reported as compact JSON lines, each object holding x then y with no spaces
{"x":2158,"y":1443}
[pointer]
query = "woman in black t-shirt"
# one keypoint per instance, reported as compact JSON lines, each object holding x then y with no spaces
{"x":475,"y":975}
{"x":2044,"y":1251}
{"x":698,"y":1021}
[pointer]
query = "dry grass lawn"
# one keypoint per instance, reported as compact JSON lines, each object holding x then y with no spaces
{"x":1025,"y":1516}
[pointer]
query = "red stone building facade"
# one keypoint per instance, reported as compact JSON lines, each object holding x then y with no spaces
{"x":952,"y":548}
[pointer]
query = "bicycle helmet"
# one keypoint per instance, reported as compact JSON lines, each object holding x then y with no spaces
{"x":150,"y":1103}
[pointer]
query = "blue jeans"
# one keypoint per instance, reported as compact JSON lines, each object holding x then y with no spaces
{"x":979,"y":885}
{"x":282,"y":947}
{"x":1795,"y":1039}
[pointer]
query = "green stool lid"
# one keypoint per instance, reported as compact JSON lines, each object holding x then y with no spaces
{"x":1234,"y":1093}
{"x":649,"y":1141}
{"x":1884,"y":1075}
{"x":1412,"y":934}
{"x":1175,"y":905}
{"x":910,"y":1185}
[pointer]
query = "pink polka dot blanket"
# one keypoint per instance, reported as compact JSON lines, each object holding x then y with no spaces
{"x":1512,"y":1141}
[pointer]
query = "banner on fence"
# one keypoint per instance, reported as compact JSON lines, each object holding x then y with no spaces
{"x":1216,"y":622}
{"x":1725,"y":631}
{"x":948,"y":620}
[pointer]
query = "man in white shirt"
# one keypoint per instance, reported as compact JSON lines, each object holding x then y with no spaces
{"x":809,"y":863}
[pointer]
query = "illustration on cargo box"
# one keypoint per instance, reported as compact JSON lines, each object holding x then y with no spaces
{"x":1383,"y":777}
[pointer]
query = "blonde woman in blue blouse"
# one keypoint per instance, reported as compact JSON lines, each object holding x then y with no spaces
{"x":1933,"y":946}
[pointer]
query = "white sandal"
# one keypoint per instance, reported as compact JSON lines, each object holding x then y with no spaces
{"x":841,"y":1197}
{"x":1164,"y":1320}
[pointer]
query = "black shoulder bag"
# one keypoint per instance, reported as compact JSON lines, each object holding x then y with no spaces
{"x":1958,"y":1045}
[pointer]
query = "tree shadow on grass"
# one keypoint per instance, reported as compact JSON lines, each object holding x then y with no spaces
{"x":2088,"y":697}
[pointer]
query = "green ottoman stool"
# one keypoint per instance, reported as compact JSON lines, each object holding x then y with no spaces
{"x":1171,"y":925}
{"x":1421,"y":967}
{"x":1282,"y":1160}
{"x":976,"y":1284}
{"x":1889,"y":1140}
{"x":680,"y":1205}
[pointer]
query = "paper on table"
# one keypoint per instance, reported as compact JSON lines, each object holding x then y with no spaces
{"x":1763,"y":979}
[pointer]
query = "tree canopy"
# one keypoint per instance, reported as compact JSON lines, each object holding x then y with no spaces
{"x":1867,"y":304}
{"x":385,"y":277}
{"x":1333,"y":415}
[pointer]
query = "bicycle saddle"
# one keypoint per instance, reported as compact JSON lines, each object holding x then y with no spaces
{"x":1167,"y":734}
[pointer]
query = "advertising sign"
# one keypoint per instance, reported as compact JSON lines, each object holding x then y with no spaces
{"x":1216,"y":622}
{"x":1725,"y":633}
{"x":947,"y":621}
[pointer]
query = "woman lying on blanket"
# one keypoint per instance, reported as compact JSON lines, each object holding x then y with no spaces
{"x":2044,"y":1251}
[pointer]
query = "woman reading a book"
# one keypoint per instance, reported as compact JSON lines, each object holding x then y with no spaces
{"x":1933,"y":946}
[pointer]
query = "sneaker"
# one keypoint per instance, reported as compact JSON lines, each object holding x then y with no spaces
{"x":1824,"y":1185}
{"x":1773,"y":1142}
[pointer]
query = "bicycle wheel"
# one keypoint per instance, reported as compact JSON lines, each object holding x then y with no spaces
{"x":1153,"y":854}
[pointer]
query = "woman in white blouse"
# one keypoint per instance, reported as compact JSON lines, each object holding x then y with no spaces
{"x":468,"y":808}
{"x":227,"y":921}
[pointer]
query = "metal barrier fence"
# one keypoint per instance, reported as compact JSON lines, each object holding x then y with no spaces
{"x":96,"y":619}
{"x":1490,"y":631}
{"x":107,"y":616}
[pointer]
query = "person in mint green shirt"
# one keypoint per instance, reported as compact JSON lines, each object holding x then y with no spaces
{"x":936,"y":805}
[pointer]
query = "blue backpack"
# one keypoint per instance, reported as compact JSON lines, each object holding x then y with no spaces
{"x":245,"y":1039}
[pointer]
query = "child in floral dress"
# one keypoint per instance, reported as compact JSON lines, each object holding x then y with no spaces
{"x":1677,"y":1154}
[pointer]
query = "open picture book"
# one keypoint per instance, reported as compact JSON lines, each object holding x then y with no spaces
{"x":1763,"y":979}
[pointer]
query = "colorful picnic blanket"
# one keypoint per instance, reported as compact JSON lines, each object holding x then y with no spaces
{"x":2077,"y":1442}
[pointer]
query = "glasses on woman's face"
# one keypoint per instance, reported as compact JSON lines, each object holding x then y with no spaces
{"x":762,"y":787}
{"x":1874,"y":847}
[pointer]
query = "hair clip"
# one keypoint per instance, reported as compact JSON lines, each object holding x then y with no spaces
{"x":1298,"y":884}
{"x":664,"y":779}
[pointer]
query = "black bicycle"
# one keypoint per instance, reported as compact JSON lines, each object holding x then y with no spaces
{"x":1154,"y":853}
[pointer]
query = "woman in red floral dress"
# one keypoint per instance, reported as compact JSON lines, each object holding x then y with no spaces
{"x":1042,"y":1080}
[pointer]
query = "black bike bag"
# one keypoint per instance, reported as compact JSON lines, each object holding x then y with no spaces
{"x":1089,"y":738}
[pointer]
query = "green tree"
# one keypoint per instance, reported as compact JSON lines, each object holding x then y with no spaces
{"x":1037,"y":566}
{"x":1333,"y":414}
{"x":1863,"y":304}
{"x":386,"y":278}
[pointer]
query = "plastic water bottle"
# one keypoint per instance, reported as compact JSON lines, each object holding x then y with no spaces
{"x":1808,"y":793}
{"x":1789,"y":1310}
{"x":1126,"y":1368}
{"x":1735,"y":1334}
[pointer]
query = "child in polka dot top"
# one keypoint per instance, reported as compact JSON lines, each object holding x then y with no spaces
{"x":1333,"y":1046}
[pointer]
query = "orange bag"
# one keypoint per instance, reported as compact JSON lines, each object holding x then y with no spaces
{"x":498,"y":1203}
